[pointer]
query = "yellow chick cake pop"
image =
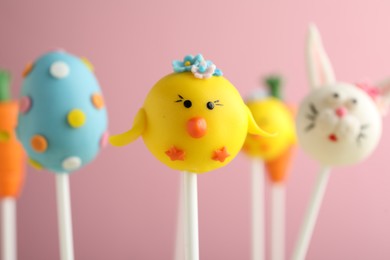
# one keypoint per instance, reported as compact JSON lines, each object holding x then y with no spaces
{"x":274,"y":156}
{"x":193,"y":119}
{"x":272,"y":115}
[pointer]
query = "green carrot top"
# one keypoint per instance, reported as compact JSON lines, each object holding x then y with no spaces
{"x":5,"y":80}
{"x":274,"y":84}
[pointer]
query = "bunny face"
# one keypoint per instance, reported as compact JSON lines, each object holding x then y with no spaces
{"x":338,"y":124}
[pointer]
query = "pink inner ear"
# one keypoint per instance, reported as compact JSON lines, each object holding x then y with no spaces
{"x":376,"y":94}
{"x":373,"y":91}
{"x":319,"y":68}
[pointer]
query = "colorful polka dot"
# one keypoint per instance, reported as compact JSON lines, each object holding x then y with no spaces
{"x":59,"y":70}
{"x":87,"y":63}
{"x":76,"y":118}
{"x":104,"y":139}
{"x":27,"y":69}
{"x":39,"y":143}
{"x":25,"y":104}
{"x":35,"y":164}
{"x":97,"y":101}
{"x":71,"y":163}
{"x":4,"y":136}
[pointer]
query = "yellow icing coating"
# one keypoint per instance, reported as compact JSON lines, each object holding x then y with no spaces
{"x":272,"y":115}
{"x":177,"y":99}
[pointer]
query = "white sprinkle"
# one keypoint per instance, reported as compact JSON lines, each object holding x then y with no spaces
{"x":71,"y":163}
{"x":59,"y":69}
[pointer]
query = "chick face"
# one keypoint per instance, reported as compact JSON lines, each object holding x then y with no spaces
{"x":194,"y":124}
{"x":273,"y":116}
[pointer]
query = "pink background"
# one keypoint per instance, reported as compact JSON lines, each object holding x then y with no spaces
{"x":124,"y":204}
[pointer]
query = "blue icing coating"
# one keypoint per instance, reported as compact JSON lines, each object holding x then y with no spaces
{"x":52,"y":99}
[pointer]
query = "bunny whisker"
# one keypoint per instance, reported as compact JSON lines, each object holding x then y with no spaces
{"x":309,"y":127}
{"x":361,"y":134}
{"x":360,"y":137}
{"x":313,"y":109}
{"x":311,"y":117}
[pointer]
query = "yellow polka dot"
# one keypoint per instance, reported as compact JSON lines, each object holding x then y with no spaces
{"x":76,"y":118}
{"x":187,"y":63}
{"x":87,"y":63}
{"x":97,"y":101}
{"x":4,"y":136}
{"x":35,"y":164}
{"x":39,"y":143}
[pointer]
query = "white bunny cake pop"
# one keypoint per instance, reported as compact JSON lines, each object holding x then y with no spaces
{"x":337,"y":123}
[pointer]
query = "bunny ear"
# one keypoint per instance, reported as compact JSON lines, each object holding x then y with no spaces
{"x":319,"y":67}
{"x":383,"y":101}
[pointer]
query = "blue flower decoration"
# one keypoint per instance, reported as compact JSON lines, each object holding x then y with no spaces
{"x":187,"y":63}
{"x":197,"y":65}
{"x":217,"y":72}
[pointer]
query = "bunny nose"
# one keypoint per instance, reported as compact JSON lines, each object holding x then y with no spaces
{"x":197,"y":127}
{"x":341,"y":112}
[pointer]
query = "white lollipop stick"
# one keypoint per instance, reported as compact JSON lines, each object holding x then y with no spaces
{"x":258,"y":227}
{"x":64,"y":216}
{"x":278,"y":221}
{"x":191,"y":216}
{"x":179,"y":245}
{"x":311,"y":215}
{"x":8,"y":227}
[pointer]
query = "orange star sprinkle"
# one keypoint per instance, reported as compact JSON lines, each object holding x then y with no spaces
{"x":176,"y":154}
{"x":220,"y":154}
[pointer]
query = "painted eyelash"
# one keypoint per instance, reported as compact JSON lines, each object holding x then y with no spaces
{"x":216,"y":103}
{"x":180,"y":100}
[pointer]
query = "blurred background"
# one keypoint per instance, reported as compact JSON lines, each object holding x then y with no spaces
{"x":124,"y":203}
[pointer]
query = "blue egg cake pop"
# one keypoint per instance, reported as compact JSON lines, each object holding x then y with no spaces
{"x":62,"y":118}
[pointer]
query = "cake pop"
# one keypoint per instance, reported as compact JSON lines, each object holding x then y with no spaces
{"x":62,"y":119}
{"x":195,"y":121}
{"x":12,"y":170}
{"x":337,"y":124}
{"x":62,"y":124}
{"x":273,"y":154}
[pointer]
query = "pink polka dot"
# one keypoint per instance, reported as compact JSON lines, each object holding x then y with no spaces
{"x":104,"y":139}
{"x":25,"y":104}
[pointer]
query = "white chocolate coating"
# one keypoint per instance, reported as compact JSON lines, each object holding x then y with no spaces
{"x":338,"y":124}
